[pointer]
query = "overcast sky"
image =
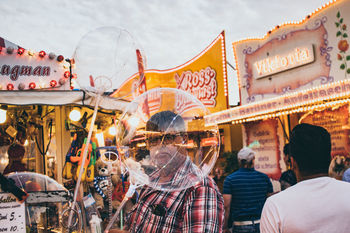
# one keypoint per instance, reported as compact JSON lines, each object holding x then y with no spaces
{"x":171,"y":32}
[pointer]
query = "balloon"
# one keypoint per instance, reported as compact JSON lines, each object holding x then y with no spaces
{"x":110,"y":54}
{"x":42,"y":185}
{"x":163,"y":141}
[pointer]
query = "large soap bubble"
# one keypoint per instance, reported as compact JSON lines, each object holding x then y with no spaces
{"x":103,"y":60}
{"x":109,"y":54}
{"x":163,"y":143}
{"x":48,"y":203}
{"x":163,"y":140}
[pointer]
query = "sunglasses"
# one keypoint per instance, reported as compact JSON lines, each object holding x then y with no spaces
{"x":165,"y":139}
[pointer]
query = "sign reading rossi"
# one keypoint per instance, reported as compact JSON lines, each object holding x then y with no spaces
{"x":336,"y":122}
{"x":204,"y":77}
{"x":268,"y":134}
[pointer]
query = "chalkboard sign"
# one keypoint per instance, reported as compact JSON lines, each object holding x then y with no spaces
{"x":12,"y":215}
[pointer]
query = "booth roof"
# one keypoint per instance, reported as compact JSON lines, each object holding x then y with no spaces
{"x":58,"y":98}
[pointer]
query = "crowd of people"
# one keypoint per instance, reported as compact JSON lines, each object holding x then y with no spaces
{"x":310,"y":199}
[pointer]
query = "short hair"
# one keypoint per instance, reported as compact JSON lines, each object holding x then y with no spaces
{"x":16,"y":151}
{"x":310,"y":146}
{"x":286,"y":149}
{"x":166,"y":121}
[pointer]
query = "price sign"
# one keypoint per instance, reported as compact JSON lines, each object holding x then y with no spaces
{"x":12,"y":218}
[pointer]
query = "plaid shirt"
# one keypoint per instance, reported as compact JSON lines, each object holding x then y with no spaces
{"x":199,"y":208}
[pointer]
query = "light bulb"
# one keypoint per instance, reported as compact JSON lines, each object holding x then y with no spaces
{"x":2,"y":116}
{"x":112,"y":131}
{"x":75,"y":115}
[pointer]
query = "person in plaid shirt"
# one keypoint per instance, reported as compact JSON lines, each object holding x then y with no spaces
{"x":198,"y":208}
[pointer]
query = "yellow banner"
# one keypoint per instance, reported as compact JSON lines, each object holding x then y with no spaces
{"x":204,"y":76}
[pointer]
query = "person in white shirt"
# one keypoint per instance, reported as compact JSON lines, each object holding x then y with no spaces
{"x":317,"y":203}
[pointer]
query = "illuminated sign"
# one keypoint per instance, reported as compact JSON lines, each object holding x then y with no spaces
{"x":202,"y":85}
{"x":278,"y":63}
{"x":204,"y":77}
{"x":281,"y":103}
{"x":24,"y":70}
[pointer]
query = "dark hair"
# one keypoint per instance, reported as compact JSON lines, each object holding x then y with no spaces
{"x":16,"y":151}
{"x":166,"y":121}
{"x":286,"y":150}
{"x":310,"y":146}
{"x":289,"y":177}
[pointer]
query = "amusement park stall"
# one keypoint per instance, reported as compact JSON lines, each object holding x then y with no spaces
{"x":37,"y":96}
{"x":298,"y":72}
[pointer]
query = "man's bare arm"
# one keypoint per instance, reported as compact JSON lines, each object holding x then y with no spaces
{"x":227,"y":205}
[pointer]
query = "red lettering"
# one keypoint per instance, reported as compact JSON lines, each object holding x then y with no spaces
{"x":46,"y":71}
{"x":26,"y":70}
{"x":14,"y":73}
{"x":201,"y":84}
{"x":37,"y":71}
{"x":5,"y":70}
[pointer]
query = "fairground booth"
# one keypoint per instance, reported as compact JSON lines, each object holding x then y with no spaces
{"x":298,"y":72}
{"x":41,"y":116}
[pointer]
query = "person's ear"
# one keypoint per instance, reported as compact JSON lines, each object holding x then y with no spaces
{"x":295,"y":168}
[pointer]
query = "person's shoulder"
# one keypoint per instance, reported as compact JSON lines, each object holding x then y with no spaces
{"x":209,"y":181}
{"x":233,"y":175}
{"x":341,"y":184}
{"x":289,"y":193}
{"x":206,"y":183}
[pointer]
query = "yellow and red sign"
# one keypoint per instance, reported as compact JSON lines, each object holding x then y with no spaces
{"x":204,"y":76}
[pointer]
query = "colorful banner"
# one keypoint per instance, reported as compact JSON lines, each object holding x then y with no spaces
{"x":336,"y":121}
{"x":204,"y":77}
{"x":296,"y":57}
{"x":268,"y":155}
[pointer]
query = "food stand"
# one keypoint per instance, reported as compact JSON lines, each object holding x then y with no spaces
{"x":298,"y":72}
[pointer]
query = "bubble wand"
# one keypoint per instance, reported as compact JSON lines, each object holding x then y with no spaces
{"x":103,"y":81}
{"x":133,"y":186}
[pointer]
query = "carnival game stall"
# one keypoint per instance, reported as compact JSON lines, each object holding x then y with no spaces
{"x":42,"y":113}
{"x":298,"y":72}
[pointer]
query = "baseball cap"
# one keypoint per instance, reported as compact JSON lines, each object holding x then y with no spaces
{"x":246,"y":153}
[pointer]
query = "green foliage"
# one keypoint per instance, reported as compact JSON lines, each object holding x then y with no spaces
{"x":231,"y":162}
